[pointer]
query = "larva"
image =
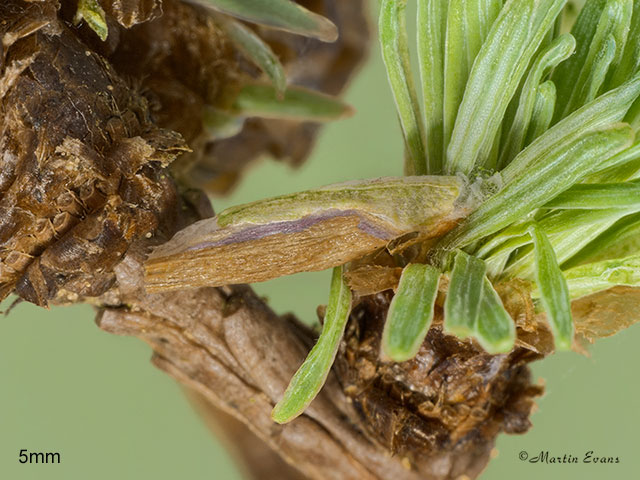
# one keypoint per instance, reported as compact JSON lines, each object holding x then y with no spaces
{"x":307,"y":231}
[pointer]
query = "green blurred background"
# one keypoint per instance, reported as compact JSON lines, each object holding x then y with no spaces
{"x":67,"y":387}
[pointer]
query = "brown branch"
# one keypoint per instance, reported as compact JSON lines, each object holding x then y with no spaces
{"x":233,"y":350}
{"x":228,"y":346}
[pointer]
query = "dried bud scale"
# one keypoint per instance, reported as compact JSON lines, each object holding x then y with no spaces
{"x":82,"y":162}
{"x":129,"y":13}
{"x":442,"y":409}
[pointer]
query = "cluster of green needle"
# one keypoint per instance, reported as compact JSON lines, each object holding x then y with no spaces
{"x":545,"y":122}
